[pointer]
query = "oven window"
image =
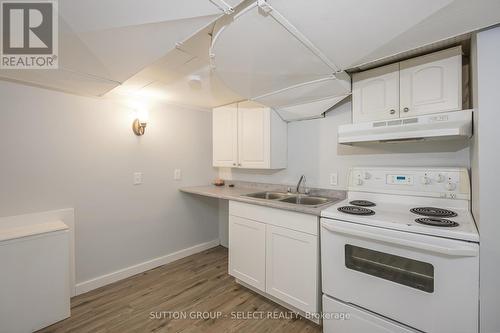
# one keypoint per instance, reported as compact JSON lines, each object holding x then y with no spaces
{"x":409,"y":272}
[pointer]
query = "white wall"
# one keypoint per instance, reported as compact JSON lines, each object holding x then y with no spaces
{"x":313,"y":151}
{"x":58,"y":150}
{"x":486,"y":163}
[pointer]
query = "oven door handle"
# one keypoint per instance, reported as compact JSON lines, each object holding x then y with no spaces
{"x":456,"y":251}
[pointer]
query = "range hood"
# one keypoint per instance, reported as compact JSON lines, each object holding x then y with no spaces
{"x":448,"y":125}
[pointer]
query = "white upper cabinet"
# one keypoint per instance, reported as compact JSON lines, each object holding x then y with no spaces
{"x":432,"y":83}
{"x":249,"y":135}
{"x":225,"y":136}
{"x":254,"y":135}
{"x":375,"y":94}
{"x":422,"y":85}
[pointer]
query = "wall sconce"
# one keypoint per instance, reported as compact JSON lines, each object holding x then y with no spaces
{"x":140,"y":122}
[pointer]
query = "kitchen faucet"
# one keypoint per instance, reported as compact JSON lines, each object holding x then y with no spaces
{"x":301,"y":180}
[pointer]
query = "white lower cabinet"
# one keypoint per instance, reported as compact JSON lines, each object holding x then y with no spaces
{"x":247,"y":251}
{"x":276,"y":252}
{"x":291,"y":267}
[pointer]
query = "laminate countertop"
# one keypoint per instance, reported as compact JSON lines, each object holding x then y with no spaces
{"x":241,"y":188}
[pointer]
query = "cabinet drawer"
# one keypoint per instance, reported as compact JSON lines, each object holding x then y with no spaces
{"x":278,"y":217}
{"x":340,"y":317}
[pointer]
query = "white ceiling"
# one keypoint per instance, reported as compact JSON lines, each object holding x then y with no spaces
{"x":271,"y":47}
{"x":349,"y":30}
{"x":131,"y":48}
{"x":356,"y":32}
{"x":102,"y":43}
{"x":169,"y":78}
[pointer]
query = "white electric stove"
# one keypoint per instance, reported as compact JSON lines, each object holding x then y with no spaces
{"x":401,"y":253}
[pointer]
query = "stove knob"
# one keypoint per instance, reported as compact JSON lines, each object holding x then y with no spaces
{"x":359,"y":181}
{"x":451,"y":186}
{"x":425,"y":180}
{"x":440,"y":178}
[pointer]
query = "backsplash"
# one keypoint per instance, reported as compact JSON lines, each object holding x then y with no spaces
{"x":313,"y":151}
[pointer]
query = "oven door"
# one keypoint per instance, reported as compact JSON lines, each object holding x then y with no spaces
{"x":429,"y":283}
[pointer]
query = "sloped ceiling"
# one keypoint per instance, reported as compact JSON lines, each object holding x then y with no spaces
{"x":183,"y":76}
{"x":160,"y":48}
{"x":356,"y":32}
{"x":102,"y":43}
{"x":275,"y":45}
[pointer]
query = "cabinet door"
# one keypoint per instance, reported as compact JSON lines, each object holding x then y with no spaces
{"x":292,"y":267}
{"x":375,"y":94}
{"x":225,"y":136}
{"x":254,"y":141}
{"x":247,"y":251}
{"x":431,"y":83}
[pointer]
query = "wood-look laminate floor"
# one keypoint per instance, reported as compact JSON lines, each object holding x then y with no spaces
{"x":194,"y":287}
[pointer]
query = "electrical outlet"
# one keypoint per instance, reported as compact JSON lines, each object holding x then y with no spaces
{"x":333,"y":179}
{"x":137,"y":178}
{"x":177,"y":174}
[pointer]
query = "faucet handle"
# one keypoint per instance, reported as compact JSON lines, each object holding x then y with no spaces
{"x":307,"y":191}
{"x":289,"y":189}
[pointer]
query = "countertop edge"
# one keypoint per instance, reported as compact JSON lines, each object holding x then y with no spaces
{"x":208,"y":191}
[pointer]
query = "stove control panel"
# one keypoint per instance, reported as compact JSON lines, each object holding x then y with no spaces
{"x":400,"y":179}
{"x":452,"y":183}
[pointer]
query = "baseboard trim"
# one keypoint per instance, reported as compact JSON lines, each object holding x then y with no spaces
{"x":121,"y":274}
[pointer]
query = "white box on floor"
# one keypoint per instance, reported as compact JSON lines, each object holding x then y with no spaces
{"x":34,"y":276}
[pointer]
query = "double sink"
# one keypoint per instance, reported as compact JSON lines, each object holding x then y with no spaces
{"x":292,"y":198}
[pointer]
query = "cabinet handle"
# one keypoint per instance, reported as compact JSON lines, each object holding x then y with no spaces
{"x":392,"y":111}
{"x":234,"y":164}
{"x":406,"y":109}
{"x":239,"y":164}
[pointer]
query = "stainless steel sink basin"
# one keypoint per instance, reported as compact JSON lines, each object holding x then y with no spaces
{"x":307,"y":200}
{"x":298,"y":199}
{"x":269,"y":195}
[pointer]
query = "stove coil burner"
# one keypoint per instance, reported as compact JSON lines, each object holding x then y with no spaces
{"x":433,"y":211}
{"x":356,"y":210}
{"x":362,"y":203}
{"x":436,"y":222}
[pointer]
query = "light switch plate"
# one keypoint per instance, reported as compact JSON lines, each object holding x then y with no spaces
{"x":334,"y":179}
{"x":177,"y":174}
{"x":137,"y":178}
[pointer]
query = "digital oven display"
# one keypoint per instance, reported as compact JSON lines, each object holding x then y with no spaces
{"x":399,"y":180}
